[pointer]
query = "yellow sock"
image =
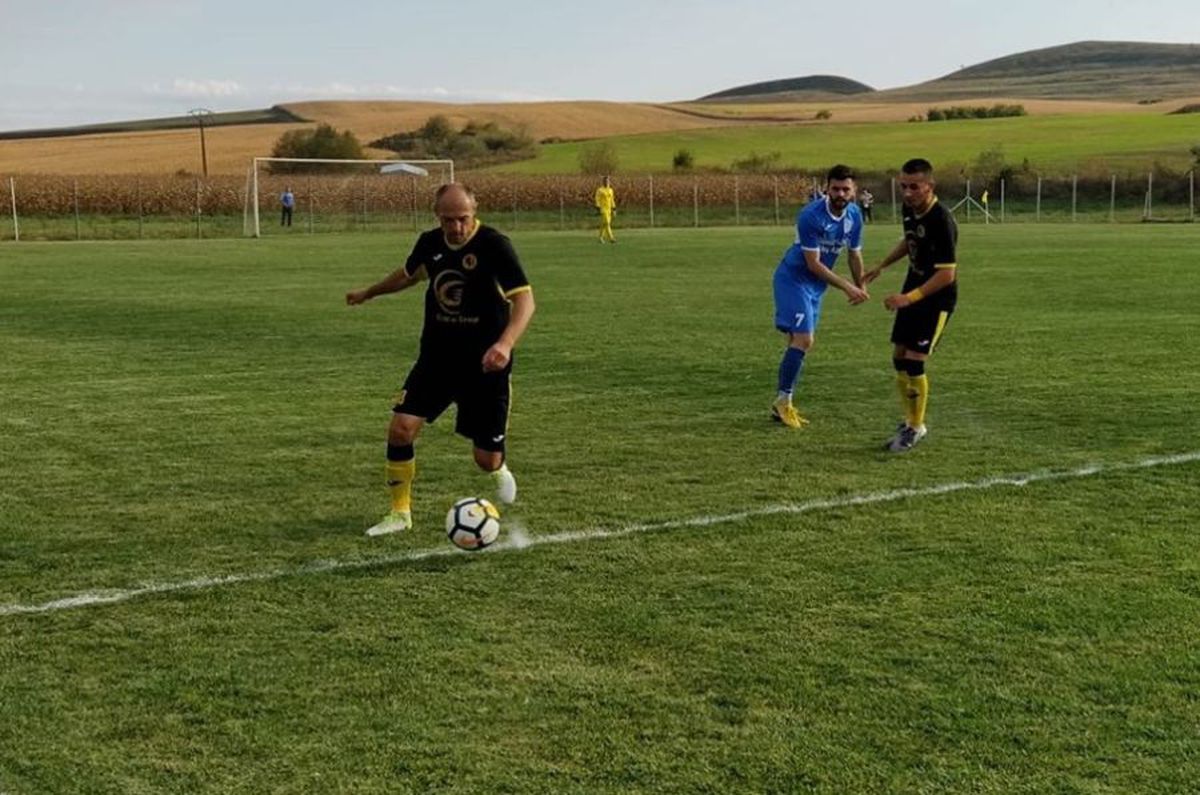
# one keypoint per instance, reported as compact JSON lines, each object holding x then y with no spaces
{"x":902,"y":386}
{"x":920,"y":398}
{"x":400,"y":476}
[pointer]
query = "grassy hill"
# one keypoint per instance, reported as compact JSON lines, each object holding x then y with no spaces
{"x":797,"y":88}
{"x":1131,"y":71}
{"x":273,"y":115}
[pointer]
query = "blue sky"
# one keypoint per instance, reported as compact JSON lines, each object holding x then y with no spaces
{"x":73,"y":62}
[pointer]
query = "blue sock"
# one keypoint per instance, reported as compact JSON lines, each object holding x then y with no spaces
{"x":789,"y":369}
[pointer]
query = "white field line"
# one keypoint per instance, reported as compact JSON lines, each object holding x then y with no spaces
{"x":518,"y":539}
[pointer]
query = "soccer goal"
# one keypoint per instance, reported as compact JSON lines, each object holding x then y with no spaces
{"x":297,"y":194}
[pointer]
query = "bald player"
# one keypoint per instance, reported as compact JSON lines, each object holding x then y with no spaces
{"x":477,"y":306}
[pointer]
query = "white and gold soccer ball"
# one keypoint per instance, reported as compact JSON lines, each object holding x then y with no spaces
{"x":472,"y":523}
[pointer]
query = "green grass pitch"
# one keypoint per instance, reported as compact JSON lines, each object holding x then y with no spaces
{"x":182,"y":410}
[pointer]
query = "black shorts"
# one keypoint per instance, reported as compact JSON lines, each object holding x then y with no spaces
{"x":482,"y":398}
{"x":920,"y":326}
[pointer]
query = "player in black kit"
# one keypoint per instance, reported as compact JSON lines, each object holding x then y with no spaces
{"x":929,"y":295}
{"x":477,"y":306}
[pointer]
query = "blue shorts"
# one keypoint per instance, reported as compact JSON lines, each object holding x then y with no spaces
{"x":797,"y":309}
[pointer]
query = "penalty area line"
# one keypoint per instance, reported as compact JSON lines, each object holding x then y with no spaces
{"x":519,"y":540}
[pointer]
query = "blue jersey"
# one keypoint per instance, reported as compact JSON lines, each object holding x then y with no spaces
{"x":818,"y":229}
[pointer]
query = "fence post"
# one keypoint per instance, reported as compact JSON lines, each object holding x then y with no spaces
{"x":12,"y":192}
{"x":1192,"y":195}
{"x":562,"y":209}
{"x":76,"y":187}
{"x":1074,"y":195}
{"x":968,"y":200}
{"x":775,"y":186}
{"x":1001,"y":201}
{"x":1149,"y":210}
{"x":737,"y":201}
{"x":412,"y":204}
{"x":364,"y":215}
{"x":1039,"y":200}
{"x":893,"y":200}
{"x":696,"y":203}
{"x":514,"y":202}
{"x":140,"y":211}
{"x":312,"y":201}
{"x":1112,"y":199}
{"x":197,"y":208}
{"x":651,"y":201}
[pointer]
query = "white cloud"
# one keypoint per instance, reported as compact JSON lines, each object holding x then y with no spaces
{"x":340,"y":90}
{"x":200,"y":89}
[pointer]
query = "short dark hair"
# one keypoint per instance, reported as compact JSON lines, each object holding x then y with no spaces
{"x":918,"y":165}
{"x":839,"y":172}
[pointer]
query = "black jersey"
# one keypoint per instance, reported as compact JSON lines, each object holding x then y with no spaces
{"x":467,"y":303}
{"x":932,"y":239}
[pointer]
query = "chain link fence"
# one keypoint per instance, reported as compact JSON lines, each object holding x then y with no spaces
{"x":113,"y":207}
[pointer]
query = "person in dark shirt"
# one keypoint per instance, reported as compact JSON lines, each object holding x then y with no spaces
{"x":477,"y":306}
{"x":929,"y":296}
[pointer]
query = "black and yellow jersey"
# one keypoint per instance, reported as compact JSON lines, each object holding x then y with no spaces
{"x":932,"y":241}
{"x":470,"y":287}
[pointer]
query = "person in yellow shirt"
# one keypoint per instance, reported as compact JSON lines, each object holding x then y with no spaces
{"x":606,"y":203}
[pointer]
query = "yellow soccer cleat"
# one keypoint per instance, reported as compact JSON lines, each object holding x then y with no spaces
{"x":394,"y":522}
{"x":783,"y":411}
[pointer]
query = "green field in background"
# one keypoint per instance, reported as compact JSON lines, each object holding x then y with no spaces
{"x":1052,"y":144}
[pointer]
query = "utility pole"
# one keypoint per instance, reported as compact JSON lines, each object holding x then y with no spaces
{"x":200,"y":113}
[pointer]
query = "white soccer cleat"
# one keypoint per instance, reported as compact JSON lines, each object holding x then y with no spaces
{"x":394,"y":522}
{"x":506,"y":485}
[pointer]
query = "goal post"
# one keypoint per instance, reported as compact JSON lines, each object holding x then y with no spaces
{"x":343,"y":194}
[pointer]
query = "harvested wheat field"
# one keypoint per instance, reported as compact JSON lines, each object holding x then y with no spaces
{"x":231,"y":148}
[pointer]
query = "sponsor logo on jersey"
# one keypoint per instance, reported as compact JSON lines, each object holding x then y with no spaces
{"x":448,"y":290}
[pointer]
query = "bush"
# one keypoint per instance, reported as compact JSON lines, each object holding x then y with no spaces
{"x":974,"y":112}
{"x":822,"y":115}
{"x":683,"y":160}
{"x":598,"y":159}
{"x":1193,"y":107}
{"x":476,"y":144}
{"x":759,"y":163}
{"x":323,"y":142}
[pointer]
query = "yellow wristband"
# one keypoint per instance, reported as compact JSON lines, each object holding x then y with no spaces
{"x":914,"y":295}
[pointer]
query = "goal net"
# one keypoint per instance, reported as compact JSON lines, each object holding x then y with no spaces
{"x":285,"y":195}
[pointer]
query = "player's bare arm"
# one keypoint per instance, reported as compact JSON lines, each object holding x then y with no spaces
{"x":394,"y":283}
{"x":496,"y":358}
{"x":856,"y":268}
{"x":817,"y":268}
{"x":898,"y":252}
{"x":944,"y":277}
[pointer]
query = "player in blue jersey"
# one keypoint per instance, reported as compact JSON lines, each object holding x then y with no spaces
{"x":823,"y":228}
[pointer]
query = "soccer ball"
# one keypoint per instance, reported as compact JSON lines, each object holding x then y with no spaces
{"x":472,"y":523}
